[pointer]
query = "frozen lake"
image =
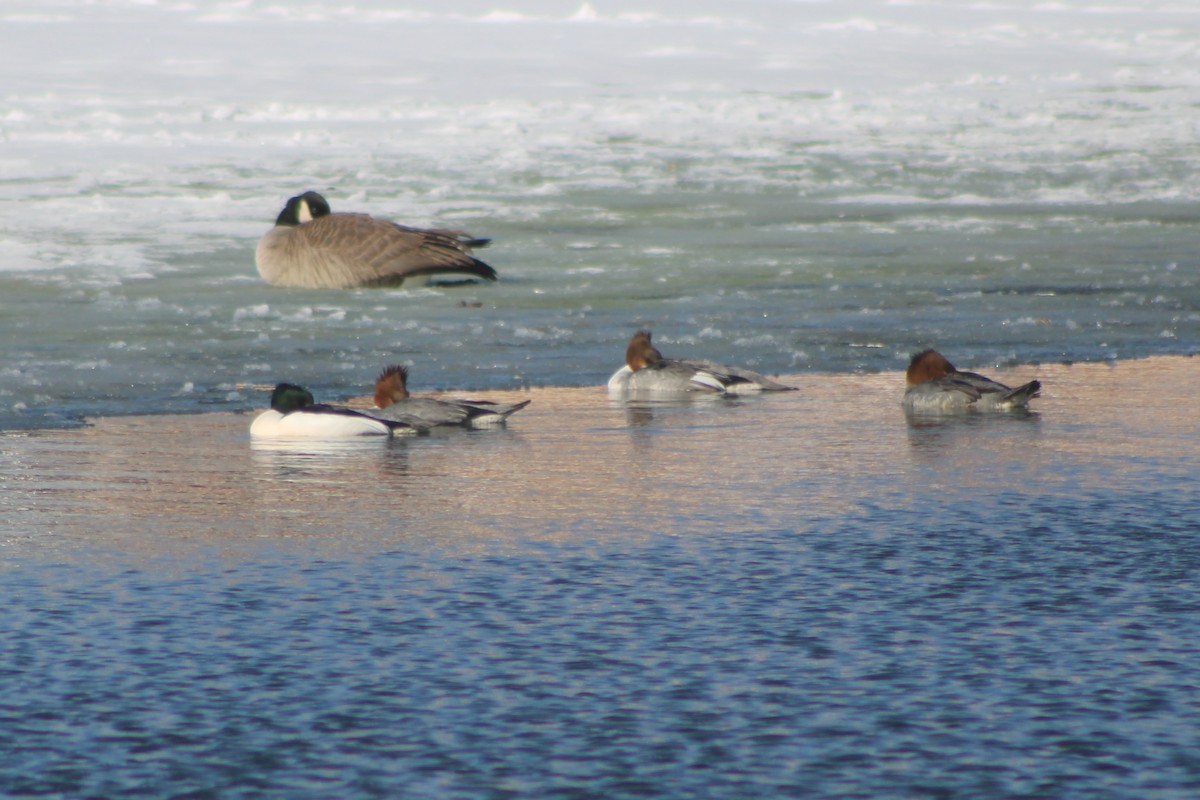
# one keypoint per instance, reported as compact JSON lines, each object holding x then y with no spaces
{"x":797,"y":186}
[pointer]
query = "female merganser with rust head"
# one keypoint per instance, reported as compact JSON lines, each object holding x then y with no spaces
{"x":935,"y":386}
{"x":393,"y":402}
{"x":294,"y":415}
{"x":310,"y":247}
{"x":646,"y":372}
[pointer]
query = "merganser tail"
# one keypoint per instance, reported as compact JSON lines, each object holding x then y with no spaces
{"x":1021,"y":395}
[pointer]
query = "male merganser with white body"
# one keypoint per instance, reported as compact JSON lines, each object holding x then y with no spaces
{"x":935,"y":386}
{"x":646,"y":372}
{"x":310,"y":247}
{"x":393,"y":402}
{"x":294,"y":415}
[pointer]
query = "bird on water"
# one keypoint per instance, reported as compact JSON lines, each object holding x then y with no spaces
{"x":312,"y":247}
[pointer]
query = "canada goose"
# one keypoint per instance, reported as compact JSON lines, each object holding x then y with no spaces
{"x":311,"y":247}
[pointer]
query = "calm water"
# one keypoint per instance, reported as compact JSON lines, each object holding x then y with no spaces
{"x":798,"y":186}
{"x":801,"y":595}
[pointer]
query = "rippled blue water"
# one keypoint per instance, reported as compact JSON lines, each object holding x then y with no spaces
{"x":1005,"y":649}
{"x":786,"y":596}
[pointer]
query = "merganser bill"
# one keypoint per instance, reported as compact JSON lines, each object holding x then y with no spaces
{"x":394,"y":402}
{"x":311,"y":247}
{"x":936,"y":387}
{"x":646,"y":372}
{"x":294,"y":415}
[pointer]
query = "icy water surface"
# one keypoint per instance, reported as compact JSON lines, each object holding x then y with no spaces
{"x":795,"y":595}
{"x":798,"y":186}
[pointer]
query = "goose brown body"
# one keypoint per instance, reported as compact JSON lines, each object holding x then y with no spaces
{"x":312,"y":247}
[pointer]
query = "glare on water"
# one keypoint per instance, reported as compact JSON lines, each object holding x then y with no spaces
{"x":576,"y":463}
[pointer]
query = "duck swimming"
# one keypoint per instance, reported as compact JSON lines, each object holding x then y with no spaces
{"x":935,"y":386}
{"x":293,"y":415}
{"x":646,"y":372}
{"x":311,"y":247}
{"x":394,"y":402}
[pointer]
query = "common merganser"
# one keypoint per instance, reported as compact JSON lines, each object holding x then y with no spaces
{"x":935,"y":386}
{"x":293,"y":415}
{"x":646,"y":372}
{"x":393,"y":402}
{"x":310,"y":247}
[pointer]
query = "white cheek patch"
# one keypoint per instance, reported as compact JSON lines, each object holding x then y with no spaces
{"x":305,"y":213}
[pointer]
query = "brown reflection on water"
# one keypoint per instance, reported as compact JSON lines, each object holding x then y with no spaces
{"x":576,"y":465}
{"x":1095,"y":426}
